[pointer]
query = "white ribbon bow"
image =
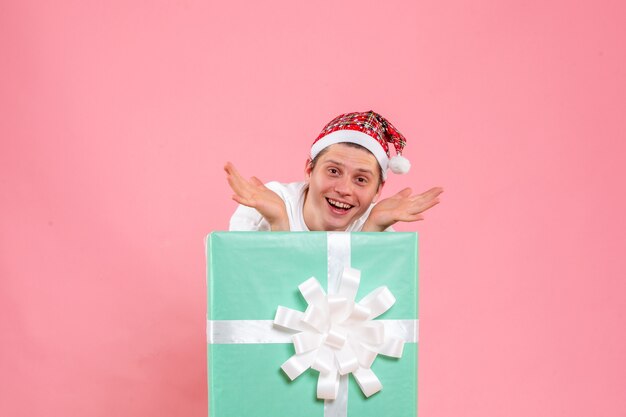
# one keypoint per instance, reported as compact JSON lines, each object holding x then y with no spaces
{"x":337,"y":336}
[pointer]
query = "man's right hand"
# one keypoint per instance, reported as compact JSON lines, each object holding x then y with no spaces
{"x":253,"y":193}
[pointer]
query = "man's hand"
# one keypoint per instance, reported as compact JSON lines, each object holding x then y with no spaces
{"x":401,"y":207}
{"x":253,"y":193}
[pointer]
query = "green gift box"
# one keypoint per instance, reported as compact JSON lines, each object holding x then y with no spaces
{"x":250,"y":274}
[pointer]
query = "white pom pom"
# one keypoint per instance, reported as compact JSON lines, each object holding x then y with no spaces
{"x":399,"y":164}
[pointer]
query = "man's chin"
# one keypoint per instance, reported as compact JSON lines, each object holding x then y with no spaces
{"x":338,"y":225}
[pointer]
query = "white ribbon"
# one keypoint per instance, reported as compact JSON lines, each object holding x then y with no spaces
{"x":335,"y":335}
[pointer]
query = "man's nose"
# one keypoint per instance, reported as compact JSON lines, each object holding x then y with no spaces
{"x":343,"y":186}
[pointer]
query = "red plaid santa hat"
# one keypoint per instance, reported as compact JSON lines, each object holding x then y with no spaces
{"x":370,"y":130}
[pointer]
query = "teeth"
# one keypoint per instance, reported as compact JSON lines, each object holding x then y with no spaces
{"x":339,"y":204}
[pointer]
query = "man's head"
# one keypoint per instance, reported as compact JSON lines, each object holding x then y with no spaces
{"x":343,"y":181}
{"x":347,"y":168}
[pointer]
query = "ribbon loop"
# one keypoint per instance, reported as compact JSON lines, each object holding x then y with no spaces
{"x":297,"y":364}
{"x":328,"y":385}
{"x":360,"y":313}
{"x":378,"y":301}
{"x":347,"y":360}
{"x":288,"y":318}
{"x":316,"y":318}
{"x":312,"y":292}
{"x":336,"y":337}
{"x":368,"y":381}
{"x":349,"y":284}
{"x":371,"y":332}
{"x":393,"y":347}
{"x":364,"y":354}
{"x":338,"y":306}
{"x":324,"y":362}
{"x":306,"y":341}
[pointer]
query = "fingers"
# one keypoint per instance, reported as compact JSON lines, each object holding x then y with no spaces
{"x":435,"y":191}
{"x":236,"y":198}
{"x":411,"y":218}
{"x":431,"y":194}
{"x":424,"y":201}
{"x":229,"y":168}
{"x":407,"y":208}
{"x":236,"y":178}
{"x":427,"y":195}
{"x":240,"y":200}
{"x":237,"y":183}
{"x":232,"y":171}
{"x":233,"y":177}
{"x":250,"y":192}
{"x":422,"y":206}
{"x":257,"y":182}
{"x":404,"y":193}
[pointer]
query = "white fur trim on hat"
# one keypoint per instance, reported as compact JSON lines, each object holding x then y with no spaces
{"x":353,"y":136}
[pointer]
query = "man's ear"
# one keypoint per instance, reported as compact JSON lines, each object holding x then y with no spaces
{"x":308,"y":168}
{"x":380,"y":190}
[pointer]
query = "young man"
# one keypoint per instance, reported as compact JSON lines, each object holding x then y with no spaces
{"x":344,"y":177}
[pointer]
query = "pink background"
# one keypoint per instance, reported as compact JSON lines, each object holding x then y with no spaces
{"x":115,"y":121}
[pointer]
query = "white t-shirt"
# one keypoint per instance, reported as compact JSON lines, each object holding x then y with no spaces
{"x":248,"y":219}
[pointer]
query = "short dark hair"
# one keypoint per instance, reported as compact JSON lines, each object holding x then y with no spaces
{"x":312,"y":162}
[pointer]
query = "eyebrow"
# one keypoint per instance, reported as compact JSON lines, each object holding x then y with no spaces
{"x":332,"y":161}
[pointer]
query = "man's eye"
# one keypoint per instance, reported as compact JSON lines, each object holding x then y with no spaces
{"x":333,"y":170}
{"x":361,"y":180}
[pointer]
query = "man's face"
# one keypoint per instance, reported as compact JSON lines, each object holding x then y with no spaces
{"x":342,"y":185}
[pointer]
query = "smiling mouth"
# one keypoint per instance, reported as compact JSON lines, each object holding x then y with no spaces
{"x":338,"y":205}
